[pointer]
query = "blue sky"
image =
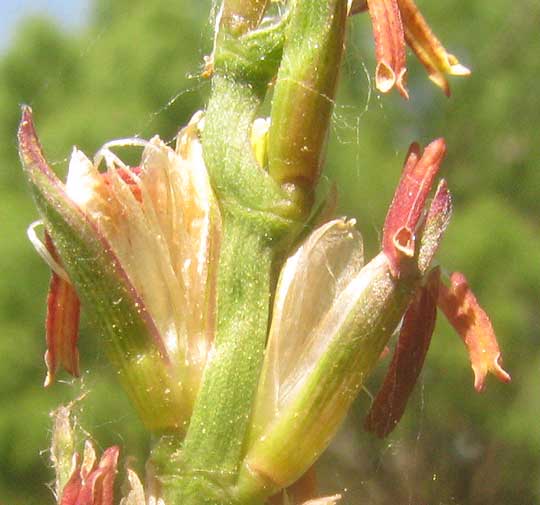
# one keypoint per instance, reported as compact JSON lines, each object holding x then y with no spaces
{"x":68,"y":13}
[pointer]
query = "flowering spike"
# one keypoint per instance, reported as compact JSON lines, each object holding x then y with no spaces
{"x":400,"y":227}
{"x":428,"y":48}
{"x":463,"y":311}
{"x":322,"y":357}
{"x":389,"y":46}
{"x":107,"y":244}
{"x":62,"y":325}
{"x":408,"y":359}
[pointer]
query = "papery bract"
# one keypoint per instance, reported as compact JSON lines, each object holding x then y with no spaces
{"x":163,"y":225}
{"x":326,"y":262}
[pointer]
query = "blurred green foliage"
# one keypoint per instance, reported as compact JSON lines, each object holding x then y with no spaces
{"x":135,"y":71}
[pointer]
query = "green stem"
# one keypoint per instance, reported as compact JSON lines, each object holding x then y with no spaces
{"x":203,"y":468}
{"x":242,"y":186}
{"x":259,"y":216}
{"x":213,"y":448}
